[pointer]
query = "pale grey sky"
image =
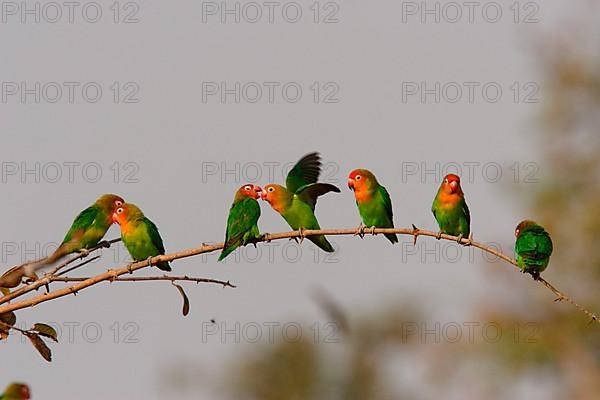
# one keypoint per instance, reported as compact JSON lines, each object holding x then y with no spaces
{"x":159,"y":151}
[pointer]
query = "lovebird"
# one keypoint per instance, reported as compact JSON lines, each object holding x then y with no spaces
{"x":450,"y":209}
{"x":139,"y":234}
{"x":89,"y":227}
{"x":243,"y":218}
{"x":373,"y":201}
{"x":296,"y":201}
{"x":533,"y":248}
{"x":87,"y":230}
{"x":16,"y":391}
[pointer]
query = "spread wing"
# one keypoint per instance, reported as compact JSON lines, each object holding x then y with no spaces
{"x":306,"y":171}
{"x":309,"y":193}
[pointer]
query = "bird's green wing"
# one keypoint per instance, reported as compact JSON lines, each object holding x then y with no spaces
{"x":154,"y":235}
{"x":387,"y":202}
{"x":465,"y":210}
{"x":534,"y":243}
{"x":306,"y":171}
{"x":84,"y":220}
{"x":309,"y":193}
{"x":243,"y":216}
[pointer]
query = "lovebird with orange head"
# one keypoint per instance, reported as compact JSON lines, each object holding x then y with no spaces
{"x":89,"y":227}
{"x":296,"y":201}
{"x":87,"y":230}
{"x":243,"y":218}
{"x":450,"y":209}
{"x":139,"y":234}
{"x":373,"y":201}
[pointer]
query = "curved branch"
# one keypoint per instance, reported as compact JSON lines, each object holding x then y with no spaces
{"x":46,"y":279}
{"x":415,"y":232}
{"x":152,"y":278}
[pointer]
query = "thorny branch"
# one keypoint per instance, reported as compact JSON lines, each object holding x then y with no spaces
{"x":114,"y":274}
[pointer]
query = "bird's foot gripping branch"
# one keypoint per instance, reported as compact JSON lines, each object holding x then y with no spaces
{"x":76,"y":284}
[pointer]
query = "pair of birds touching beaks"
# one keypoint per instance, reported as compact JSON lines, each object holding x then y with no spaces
{"x":295,"y":202}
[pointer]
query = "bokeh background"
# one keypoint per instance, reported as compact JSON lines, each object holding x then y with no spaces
{"x":376,"y":321}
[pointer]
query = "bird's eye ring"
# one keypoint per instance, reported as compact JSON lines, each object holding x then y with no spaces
{"x":247,"y":188}
{"x":445,"y":180}
{"x":118,"y":203}
{"x":271,"y":189}
{"x":357,"y":177}
{"x":119,"y":210}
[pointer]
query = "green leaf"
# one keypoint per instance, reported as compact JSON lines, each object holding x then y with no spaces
{"x":40,"y":346}
{"x":186,"y":301}
{"x":45,"y":330}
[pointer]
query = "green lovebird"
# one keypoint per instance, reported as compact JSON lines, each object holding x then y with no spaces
{"x":87,"y":230}
{"x":139,"y":234}
{"x":89,"y":227}
{"x":450,"y":209}
{"x":373,"y":201}
{"x":16,"y":391}
{"x":296,"y":202}
{"x":533,"y":247}
{"x":243,"y":218}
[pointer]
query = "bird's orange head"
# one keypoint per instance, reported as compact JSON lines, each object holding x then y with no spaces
{"x":361,"y":179}
{"x":248,"y":190}
{"x":451,"y":185}
{"x":277,"y":196}
{"x":126,"y":212}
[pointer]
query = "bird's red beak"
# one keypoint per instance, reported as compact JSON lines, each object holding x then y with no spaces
{"x":257,"y":192}
{"x":114,"y":218}
{"x":351,"y":184}
{"x":453,"y":186}
{"x":263,"y":195}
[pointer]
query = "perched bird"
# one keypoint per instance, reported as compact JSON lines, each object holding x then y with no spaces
{"x":450,"y":209}
{"x":243,"y":218}
{"x":139,"y":234}
{"x":296,"y":201}
{"x":533,"y":248}
{"x":87,"y":230}
{"x":89,"y":227}
{"x":16,"y":391}
{"x":373,"y":201}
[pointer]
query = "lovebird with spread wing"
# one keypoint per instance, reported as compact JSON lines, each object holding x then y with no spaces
{"x":450,"y":209}
{"x":296,"y":201}
{"x":373,"y":201}
{"x":139,"y":234}
{"x":533,"y":248}
{"x":243,"y":217}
